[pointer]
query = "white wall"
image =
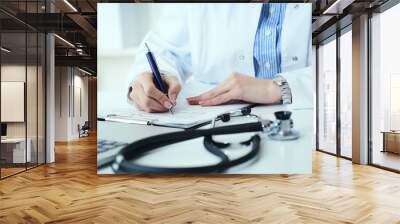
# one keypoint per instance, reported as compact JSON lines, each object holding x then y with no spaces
{"x":69,"y":81}
{"x":112,"y":82}
{"x":80,"y":83}
{"x":117,"y":40}
{"x":121,"y":26}
{"x":61,"y":103}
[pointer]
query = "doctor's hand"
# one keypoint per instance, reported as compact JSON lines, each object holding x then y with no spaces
{"x":239,"y":87}
{"x":147,"y":97}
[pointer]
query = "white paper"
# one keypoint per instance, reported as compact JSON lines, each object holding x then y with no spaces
{"x":184,"y":115}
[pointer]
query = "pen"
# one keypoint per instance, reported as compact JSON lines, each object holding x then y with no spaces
{"x":156,"y":73}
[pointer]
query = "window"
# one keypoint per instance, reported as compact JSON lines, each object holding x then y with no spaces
{"x":327,"y":96}
{"x":346,"y":93}
{"x":385,"y":89}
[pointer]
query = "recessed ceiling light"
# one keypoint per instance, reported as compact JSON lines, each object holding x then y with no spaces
{"x":84,"y":71}
{"x":70,"y":5}
{"x":5,"y":50}
{"x":64,"y":40}
{"x":337,"y":7}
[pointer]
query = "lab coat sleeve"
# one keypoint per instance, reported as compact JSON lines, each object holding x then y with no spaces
{"x":169,"y":43}
{"x":302,"y":86}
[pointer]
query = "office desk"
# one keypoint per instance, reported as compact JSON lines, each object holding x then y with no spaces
{"x":274,"y":157}
{"x":391,"y":141}
{"x":13,"y":150}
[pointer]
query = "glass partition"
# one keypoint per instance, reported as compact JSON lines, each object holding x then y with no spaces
{"x":32,"y":96}
{"x":14,"y":153}
{"x":41,"y":87}
{"x":32,"y":86}
{"x":23,"y":91}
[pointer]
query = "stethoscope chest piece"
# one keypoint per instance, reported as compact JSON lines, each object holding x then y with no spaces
{"x":283,"y":127}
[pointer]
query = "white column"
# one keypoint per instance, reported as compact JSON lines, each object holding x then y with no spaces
{"x":50,"y":99}
{"x":50,"y":92}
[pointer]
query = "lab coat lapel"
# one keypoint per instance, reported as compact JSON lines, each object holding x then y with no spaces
{"x":296,"y":24}
{"x":254,"y":12}
{"x":254,"y":17}
{"x":287,"y":34}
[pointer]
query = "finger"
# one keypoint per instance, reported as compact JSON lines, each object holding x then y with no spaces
{"x":220,"y":99}
{"x":205,"y":96}
{"x":136,"y":92}
{"x":151,"y":91}
{"x":153,"y":106}
{"x":145,"y":103}
{"x":174,"y":87}
{"x":191,"y":101}
{"x":220,"y":89}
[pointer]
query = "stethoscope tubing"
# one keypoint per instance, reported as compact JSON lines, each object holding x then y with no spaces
{"x":224,"y":163}
{"x":143,"y":146}
{"x":147,"y":144}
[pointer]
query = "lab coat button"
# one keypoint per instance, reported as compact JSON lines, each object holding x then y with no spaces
{"x":294,"y":58}
{"x":296,"y":6}
{"x":271,"y":10}
{"x":241,"y":57}
{"x":268,"y":33}
{"x":267,"y":66}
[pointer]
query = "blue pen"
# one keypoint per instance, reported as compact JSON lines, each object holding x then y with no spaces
{"x":156,"y":73}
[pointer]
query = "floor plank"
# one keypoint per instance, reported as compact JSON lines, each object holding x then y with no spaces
{"x":70,"y":191}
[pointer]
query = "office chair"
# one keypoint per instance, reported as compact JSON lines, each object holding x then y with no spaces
{"x":84,"y":130}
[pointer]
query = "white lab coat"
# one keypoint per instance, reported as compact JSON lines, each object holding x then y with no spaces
{"x":211,"y":41}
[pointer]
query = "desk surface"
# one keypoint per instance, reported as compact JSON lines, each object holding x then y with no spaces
{"x":391,"y":132}
{"x":274,"y":157}
{"x":13,"y":140}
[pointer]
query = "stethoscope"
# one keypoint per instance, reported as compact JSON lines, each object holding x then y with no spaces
{"x":281,"y":129}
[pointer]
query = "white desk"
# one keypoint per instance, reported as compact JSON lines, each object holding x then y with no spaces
{"x":287,"y":157}
{"x":18,"y":149}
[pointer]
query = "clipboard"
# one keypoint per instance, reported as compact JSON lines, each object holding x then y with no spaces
{"x":156,"y":120}
{"x":185,"y":116}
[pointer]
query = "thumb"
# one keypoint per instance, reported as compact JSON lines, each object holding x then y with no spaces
{"x":174,"y":87}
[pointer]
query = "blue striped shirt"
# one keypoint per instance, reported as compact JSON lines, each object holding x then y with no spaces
{"x":267,"y":49}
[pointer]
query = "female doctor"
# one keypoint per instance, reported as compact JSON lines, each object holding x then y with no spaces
{"x":258,"y":53}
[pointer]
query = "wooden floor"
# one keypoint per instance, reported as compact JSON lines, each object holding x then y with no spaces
{"x":10,"y":171}
{"x":69,"y":191}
